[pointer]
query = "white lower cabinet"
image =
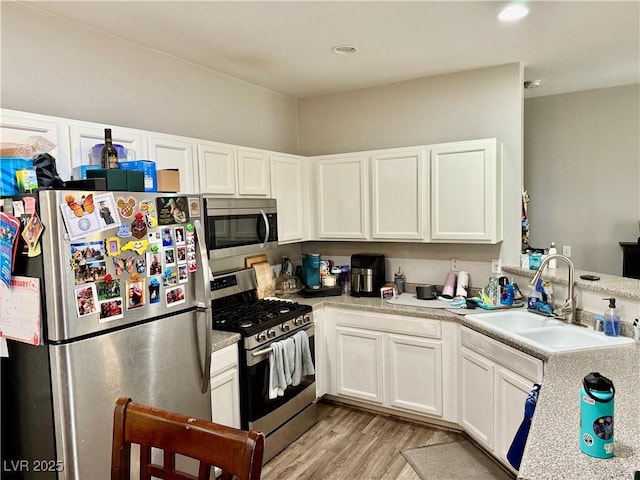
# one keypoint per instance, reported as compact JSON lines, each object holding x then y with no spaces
{"x":494,"y":381}
{"x":225,"y":387}
{"x":389,"y":360}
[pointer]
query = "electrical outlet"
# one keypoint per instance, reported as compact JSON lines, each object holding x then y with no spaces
{"x":496,"y":266}
{"x":566,"y":250}
{"x":454,"y":264}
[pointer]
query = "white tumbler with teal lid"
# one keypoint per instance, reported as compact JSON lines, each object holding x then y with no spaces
{"x":596,"y":416}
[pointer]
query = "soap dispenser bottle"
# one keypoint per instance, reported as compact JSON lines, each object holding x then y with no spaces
{"x":611,"y":319}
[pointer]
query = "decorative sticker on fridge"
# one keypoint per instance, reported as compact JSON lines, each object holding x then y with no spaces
{"x":108,"y":289}
{"x":148,"y":209}
{"x":110,"y":310}
{"x":175,"y":296}
{"x":154,"y":266}
{"x":167,"y":237}
{"x":172,"y":210}
{"x":139,"y":226}
{"x":138,"y":246}
{"x":135,"y":294}
{"x":179,"y":235}
{"x":194,"y":207}
{"x":31,"y":235}
{"x":86,"y":300}
{"x":181,"y":254}
{"x":154,"y":290}
{"x":169,"y":278}
{"x":169,"y":257}
{"x":112,"y":246}
{"x":126,"y":206}
{"x":191,"y":249}
{"x":81,"y":217}
{"x":88,"y":262}
{"x":183,"y":274}
{"x":9,"y":228}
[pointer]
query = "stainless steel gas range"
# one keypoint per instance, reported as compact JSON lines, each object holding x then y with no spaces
{"x":262,"y":323}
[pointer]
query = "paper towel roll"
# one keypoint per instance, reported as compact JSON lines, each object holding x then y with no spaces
{"x":463,"y":284}
{"x":449,"y":285}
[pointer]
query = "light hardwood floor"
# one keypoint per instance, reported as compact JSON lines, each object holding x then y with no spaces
{"x":352,"y":444}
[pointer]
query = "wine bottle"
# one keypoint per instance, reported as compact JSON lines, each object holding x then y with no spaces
{"x":109,"y":154}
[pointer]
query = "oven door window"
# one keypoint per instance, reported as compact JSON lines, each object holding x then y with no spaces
{"x":256,"y":400}
{"x":235,"y":230}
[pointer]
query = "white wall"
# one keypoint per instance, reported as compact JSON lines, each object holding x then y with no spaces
{"x":57,"y":67}
{"x":460,"y":106}
{"x":582,"y":172}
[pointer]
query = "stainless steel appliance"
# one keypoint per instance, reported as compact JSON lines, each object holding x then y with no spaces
{"x":261,"y":323}
{"x":367,"y":274}
{"x":125,"y":311}
{"x":239,"y":226}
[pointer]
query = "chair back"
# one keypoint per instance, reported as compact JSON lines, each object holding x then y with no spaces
{"x":236,"y":452}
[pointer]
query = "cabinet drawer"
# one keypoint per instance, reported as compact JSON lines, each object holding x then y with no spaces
{"x":421,"y":327}
{"x":516,"y":361}
{"x":224,"y":359}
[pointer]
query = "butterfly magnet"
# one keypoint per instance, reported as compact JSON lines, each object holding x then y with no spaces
{"x":82,"y":218}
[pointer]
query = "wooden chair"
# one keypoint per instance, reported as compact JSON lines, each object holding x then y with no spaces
{"x":236,"y":452}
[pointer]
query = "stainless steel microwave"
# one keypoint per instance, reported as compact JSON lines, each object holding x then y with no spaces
{"x":237,"y":226}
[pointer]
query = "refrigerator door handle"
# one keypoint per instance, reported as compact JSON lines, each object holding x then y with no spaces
{"x":204,"y":314}
{"x":206,"y":285}
{"x":204,"y":317}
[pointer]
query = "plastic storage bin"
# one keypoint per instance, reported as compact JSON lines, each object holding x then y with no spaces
{"x":8,"y":169}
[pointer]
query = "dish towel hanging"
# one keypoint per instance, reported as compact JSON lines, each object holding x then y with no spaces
{"x":303,"y":361}
{"x":514,"y":455}
{"x":289,"y":361}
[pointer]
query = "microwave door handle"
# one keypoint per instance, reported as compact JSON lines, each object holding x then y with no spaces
{"x":266,"y":230}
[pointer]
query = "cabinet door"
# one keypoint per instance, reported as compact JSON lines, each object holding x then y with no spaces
{"x":476,"y":396}
{"x":225,"y":399}
{"x":342,"y":189}
{"x":415,"y":374}
{"x":174,"y":153}
{"x":510,"y":395}
{"x":397,"y":194}
{"x":17,"y":127}
{"x":84,"y":137}
{"x":217,"y":169}
{"x":466,"y":192}
{"x":320,"y":348}
{"x":359,"y":364}
{"x":288,"y":187}
{"x":253,"y":173}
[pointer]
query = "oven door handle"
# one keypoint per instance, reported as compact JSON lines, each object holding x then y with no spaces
{"x":261,"y":352}
{"x":267,"y":233}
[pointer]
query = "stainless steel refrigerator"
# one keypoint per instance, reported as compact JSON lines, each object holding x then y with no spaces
{"x":125,"y":311}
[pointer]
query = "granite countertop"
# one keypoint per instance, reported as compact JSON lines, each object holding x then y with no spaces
{"x":220,"y":339}
{"x":552,"y":450}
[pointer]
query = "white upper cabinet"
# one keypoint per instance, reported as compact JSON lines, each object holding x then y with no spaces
{"x":289,"y":186}
{"x":83,"y":136}
{"x":175,"y":153}
{"x":230,"y":171}
{"x":18,"y":127}
{"x":466,"y":191}
{"x":398,"y":194}
{"x":253,"y":172}
{"x":217,"y":167}
{"x":342,"y":189}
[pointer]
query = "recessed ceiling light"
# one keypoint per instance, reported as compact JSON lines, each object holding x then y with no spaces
{"x":513,"y":12}
{"x":344,"y":49}
{"x":529,"y":84}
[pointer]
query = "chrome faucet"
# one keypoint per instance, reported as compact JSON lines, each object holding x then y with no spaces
{"x":566,"y":312}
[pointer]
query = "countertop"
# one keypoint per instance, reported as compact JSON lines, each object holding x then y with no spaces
{"x":552,"y":450}
{"x":220,"y":339}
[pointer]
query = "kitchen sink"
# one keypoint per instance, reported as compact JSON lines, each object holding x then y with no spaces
{"x":514,"y":320}
{"x":546,"y":333}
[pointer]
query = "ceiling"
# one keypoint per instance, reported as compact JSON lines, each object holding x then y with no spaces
{"x":286,"y":46}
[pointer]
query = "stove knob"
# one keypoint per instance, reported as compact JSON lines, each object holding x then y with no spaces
{"x":297,"y":321}
{"x":285,"y":327}
{"x":306,"y":319}
{"x":271,"y":333}
{"x":261,"y":337}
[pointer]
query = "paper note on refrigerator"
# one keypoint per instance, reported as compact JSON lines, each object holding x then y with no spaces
{"x":20,"y":310}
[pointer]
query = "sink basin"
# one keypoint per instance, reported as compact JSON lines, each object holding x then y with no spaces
{"x":514,"y":320}
{"x":546,"y":333}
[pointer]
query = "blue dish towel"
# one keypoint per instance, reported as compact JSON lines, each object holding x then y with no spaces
{"x":514,"y":455}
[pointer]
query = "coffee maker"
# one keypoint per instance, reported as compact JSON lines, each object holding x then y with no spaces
{"x":367,"y":274}
{"x":311,"y":270}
